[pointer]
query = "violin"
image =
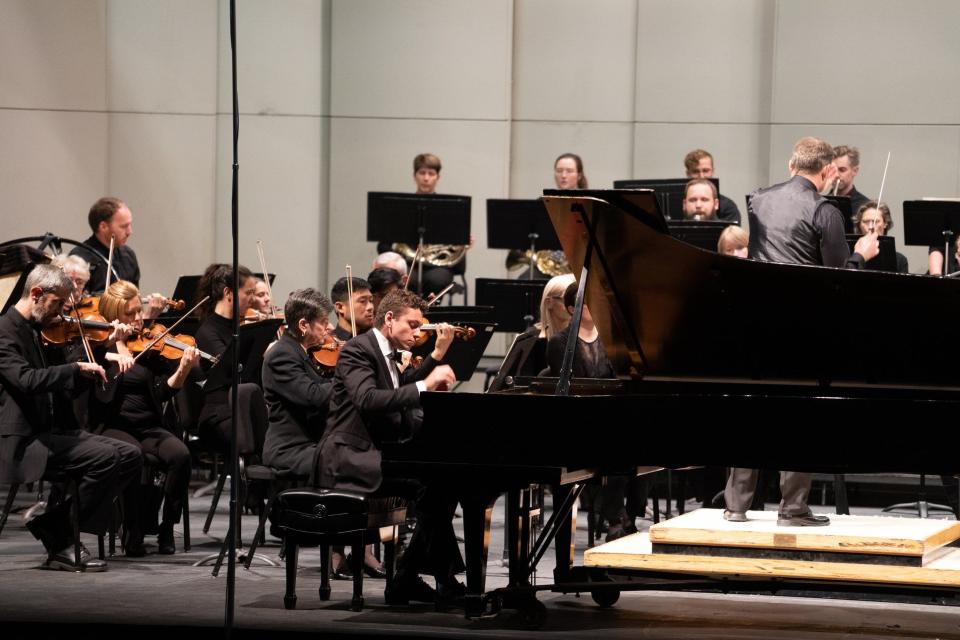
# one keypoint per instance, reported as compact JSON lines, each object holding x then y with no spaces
{"x":325,"y":355}
{"x":170,"y":347}
{"x":463,"y":333}
{"x":93,"y":303}
{"x":95,"y":326}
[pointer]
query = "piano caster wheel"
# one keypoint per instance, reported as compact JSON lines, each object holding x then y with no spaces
{"x":533,"y":614}
{"x":606,"y":598}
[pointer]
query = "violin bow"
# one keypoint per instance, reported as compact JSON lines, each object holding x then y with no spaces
{"x":164,"y":333}
{"x":413,"y":265}
{"x":353,"y":320}
{"x":266,"y":276}
{"x":106,"y":282}
{"x":440,"y":295}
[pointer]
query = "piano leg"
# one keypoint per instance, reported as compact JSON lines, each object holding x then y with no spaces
{"x":477,"y":512}
{"x":519,"y":528}
{"x":566,"y":531}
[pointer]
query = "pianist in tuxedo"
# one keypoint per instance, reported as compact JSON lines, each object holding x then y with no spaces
{"x":700,"y":200}
{"x":699,"y":164}
{"x":373,"y":402}
{"x":875,"y":217}
{"x":791,"y":222}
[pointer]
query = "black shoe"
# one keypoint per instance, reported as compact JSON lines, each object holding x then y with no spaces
{"x":166,"y":545}
{"x":374,"y":571}
{"x":341,"y":570}
{"x":403,"y":592}
{"x":133,"y":545}
{"x":450,"y":592}
{"x":805,"y":520}
{"x":64,"y":561}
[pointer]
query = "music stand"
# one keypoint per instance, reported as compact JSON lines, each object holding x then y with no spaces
{"x":417,"y":219}
{"x":463,"y":355}
{"x":461,"y":314}
{"x":930,"y":223}
{"x":669,"y":192}
{"x":520,"y":350}
{"x":253,"y":339}
{"x":520,"y":224}
{"x":704,"y":234}
{"x":516,"y":303}
{"x":886,"y":260}
{"x":846,"y":210}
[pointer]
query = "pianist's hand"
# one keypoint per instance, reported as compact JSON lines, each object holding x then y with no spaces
{"x":440,"y":378}
{"x":868,"y":246}
{"x":445,"y":334}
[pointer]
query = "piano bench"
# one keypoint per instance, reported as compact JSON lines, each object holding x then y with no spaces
{"x":324,"y":517}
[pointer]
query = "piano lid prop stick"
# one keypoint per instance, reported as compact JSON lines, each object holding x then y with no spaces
{"x":440,"y":295}
{"x":353,"y":320}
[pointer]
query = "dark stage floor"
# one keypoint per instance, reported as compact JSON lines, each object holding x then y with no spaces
{"x":167,"y":596}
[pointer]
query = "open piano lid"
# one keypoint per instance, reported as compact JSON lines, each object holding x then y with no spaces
{"x":666,"y":309}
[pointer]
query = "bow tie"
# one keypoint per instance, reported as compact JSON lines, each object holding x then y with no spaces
{"x":396,"y":356}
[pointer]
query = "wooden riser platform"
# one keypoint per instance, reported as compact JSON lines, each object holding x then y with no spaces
{"x":867,"y":549}
{"x":861,"y":539}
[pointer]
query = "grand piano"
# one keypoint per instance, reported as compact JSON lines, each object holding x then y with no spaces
{"x":721,"y":361}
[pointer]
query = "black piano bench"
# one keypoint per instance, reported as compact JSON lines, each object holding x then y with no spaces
{"x":320,"y":518}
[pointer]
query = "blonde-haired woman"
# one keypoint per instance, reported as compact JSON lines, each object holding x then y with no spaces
{"x":131,"y":410}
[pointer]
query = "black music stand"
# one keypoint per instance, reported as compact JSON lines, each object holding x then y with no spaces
{"x":516,"y":302}
{"x":704,"y":234}
{"x":417,"y":219}
{"x":458,"y":314}
{"x":463,"y":355}
{"x":254,"y":339}
{"x":931,"y":223}
{"x":886,"y":260}
{"x":669,"y":192}
{"x":520,"y":225}
{"x":846,"y":210}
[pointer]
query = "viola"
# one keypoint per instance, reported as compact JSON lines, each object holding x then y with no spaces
{"x":169,"y":346}
{"x":93,"y":303}
{"x":95,"y":326}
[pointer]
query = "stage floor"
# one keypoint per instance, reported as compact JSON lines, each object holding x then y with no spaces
{"x":166,"y":596}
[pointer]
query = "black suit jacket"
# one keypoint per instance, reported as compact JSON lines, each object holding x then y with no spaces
{"x":297,"y":401}
{"x":364,"y":412}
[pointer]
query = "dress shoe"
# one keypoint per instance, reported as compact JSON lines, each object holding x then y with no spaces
{"x":374,"y":571}
{"x":804,"y":520}
{"x":165,"y":544}
{"x":64,"y":561}
{"x":404,"y":591}
{"x":133,"y":545}
{"x":341,"y":567}
{"x":734,"y":516}
{"x":450,"y":592}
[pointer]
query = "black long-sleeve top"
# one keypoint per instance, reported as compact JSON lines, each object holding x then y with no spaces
{"x":134,"y":401}
{"x":215,"y":336}
{"x":124,"y":263}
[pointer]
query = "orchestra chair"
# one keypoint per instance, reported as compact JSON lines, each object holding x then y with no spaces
{"x":26,"y":468}
{"x":320,"y":518}
{"x":920,"y":505}
{"x":276,"y":481}
{"x":154,"y":474}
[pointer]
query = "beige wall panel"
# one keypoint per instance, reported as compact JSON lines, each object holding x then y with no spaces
{"x":52,"y":54}
{"x":604,"y":147}
{"x":162,"y":166}
{"x":377,"y":155}
{"x":280,"y":198}
{"x":52,"y":168}
{"x":421,"y":59}
{"x":704,"y":61}
{"x":924,"y":162}
{"x":871,"y":61}
{"x":279,"y":57}
{"x":740,"y":153}
{"x":162,"y":56}
{"x":574,"y":60}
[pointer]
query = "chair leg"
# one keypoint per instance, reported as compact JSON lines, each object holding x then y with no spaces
{"x":324,"y":571}
{"x":290,"y":597}
{"x":356,"y":604}
{"x":185,"y":512}
{"x":840,"y":494}
{"x":74,"y":489}
{"x":390,"y":554}
{"x":260,"y":536}
{"x":656,"y":501}
{"x":216,"y":500}
{"x":11,"y":496}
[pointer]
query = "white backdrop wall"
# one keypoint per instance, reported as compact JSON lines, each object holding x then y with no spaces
{"x":132,"y":98}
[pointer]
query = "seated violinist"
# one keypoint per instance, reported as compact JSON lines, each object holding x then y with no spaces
{"x":360,"y":308}
{"x":131,"y":409}
{"x":215,"y":336}
{"x":382,"y":281}
{"x":260,"y":304}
